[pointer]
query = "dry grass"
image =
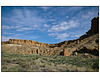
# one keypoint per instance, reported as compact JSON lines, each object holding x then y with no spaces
{"x":38,"y":63}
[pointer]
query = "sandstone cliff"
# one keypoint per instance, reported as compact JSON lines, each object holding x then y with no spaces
{"x":88,"y":43}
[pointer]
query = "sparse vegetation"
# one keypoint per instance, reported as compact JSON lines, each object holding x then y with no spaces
{"x":38,"y":63}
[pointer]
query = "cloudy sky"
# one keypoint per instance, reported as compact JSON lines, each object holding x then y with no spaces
{"x":46,"y":24}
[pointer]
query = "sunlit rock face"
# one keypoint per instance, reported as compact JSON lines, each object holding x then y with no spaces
{"x":88,"y":43}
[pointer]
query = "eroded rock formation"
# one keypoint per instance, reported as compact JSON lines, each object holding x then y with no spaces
{"x":88,"y":43}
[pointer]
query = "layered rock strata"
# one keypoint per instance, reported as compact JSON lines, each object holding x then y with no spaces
{"x":88,"y":43}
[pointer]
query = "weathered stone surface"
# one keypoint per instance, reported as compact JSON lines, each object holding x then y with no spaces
{"x":88,"y":43}
{"x":94,"y":26}
{"x":76,"y":53}
{"x":66,"y":52}
{"x":3,"y":42}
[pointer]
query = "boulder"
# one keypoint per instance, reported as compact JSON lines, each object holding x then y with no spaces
{"x":66,"y":52}
{"x":76,"y":53}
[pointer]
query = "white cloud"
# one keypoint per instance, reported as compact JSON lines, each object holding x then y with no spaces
{"x":88,"y":15}
{"x":6,"y":27}
{"x":34,"y":27}
{"x":61,"y":36}
{"x":23,"y":29}
{"x":67,"y":16}
{"x":10,"y":27}
{"x":24,"y":17}
{"x":7,"y":33}
{"x":53,"y":34}
{"x":30,"y":19}
{"x":64,"y":26}
{"x":46,"y":25}
{"x":52,"y":20}
{"x":56,"y":30}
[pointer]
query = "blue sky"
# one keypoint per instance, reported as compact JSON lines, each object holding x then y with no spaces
{"x":46,"y":24}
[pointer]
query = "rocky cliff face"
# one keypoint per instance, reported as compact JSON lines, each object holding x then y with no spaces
{"x":25,"y":42}
{"x":88,"y":43}
{"x":94,"y":26}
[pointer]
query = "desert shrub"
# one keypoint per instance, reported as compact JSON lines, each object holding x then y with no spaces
{"x":96,"y":64}
{"x":21,"y":63}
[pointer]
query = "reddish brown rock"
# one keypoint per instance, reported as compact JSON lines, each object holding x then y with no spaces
{"x":3,"y":42}
{"x":90,"y":41}
{"x":66,"y":52}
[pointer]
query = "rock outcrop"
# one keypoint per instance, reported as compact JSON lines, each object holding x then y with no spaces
{"x":25,"y":42}
{"x":67,"y":52}
{"x":94,"y":28}
{"x":88,"y":43}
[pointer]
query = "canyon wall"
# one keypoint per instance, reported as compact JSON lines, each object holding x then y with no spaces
{"x":88,"y":43}
{"x":25,"y":42}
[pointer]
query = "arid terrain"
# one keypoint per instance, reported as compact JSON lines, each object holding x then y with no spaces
{"x":52,"y":63}
{"x":78,"y":55}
